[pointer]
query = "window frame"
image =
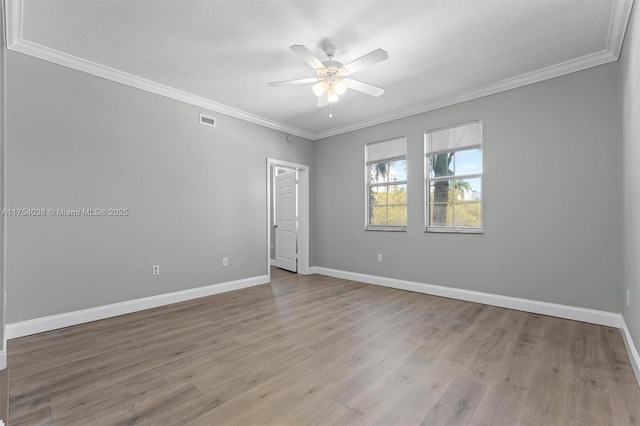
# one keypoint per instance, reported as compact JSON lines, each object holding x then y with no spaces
{"x":368,"y":185}
{"x":427,"y":205}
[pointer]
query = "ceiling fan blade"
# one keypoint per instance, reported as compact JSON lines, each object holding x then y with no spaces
{"x":293,"y":82}
{"x":305,"y":54}
{"x":367,"y":88}
{"x":322,"y":100}
{"x":366,"y":61}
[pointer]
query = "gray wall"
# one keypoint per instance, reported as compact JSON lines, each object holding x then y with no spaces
{"x":195,"y":193}
{"x":630,"y":98}
{"x":551,"y":197}
{"x":3,"y":50}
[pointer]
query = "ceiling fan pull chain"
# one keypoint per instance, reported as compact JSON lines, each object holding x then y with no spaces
{"x":330,"y":113}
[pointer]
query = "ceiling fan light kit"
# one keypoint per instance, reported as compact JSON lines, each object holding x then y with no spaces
{"x":331,"y":80}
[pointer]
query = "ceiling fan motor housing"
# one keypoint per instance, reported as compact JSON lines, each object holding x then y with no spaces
{"x":330,"y":50}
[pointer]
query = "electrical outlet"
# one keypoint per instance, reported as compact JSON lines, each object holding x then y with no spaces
{"x":225,"y":261}
{"x":628,"y":299}
{"x":155,"y":270}
{"x":379,"y":258}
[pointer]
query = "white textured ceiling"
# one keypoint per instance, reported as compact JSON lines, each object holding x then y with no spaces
{"x":221,"y":54}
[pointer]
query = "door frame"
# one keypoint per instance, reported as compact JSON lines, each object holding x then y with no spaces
{"x":303,"y":213}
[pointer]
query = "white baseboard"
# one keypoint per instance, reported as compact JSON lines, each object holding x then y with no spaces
{"x":593,"y":316}
{"x":562,"y":311}
{"x":634,"y":357}
{"x":53,"y":322}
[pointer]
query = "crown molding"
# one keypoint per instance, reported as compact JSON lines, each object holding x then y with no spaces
{"x":553,"y":71}
{"x":118,"y":76}
{"x":13,"y":21}
{"x":617,"y":27}
{"x":16,"y":43}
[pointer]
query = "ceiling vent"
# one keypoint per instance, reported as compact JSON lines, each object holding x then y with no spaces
{"x":207,"y":121}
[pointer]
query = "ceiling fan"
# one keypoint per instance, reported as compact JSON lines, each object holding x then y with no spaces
{"x":331,"y":79}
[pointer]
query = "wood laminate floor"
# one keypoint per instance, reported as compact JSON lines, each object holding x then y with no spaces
{"x":319,"y":350}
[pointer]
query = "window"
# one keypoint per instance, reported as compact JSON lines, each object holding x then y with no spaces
{"x":386,"y":174}
{"x":453,"y":185}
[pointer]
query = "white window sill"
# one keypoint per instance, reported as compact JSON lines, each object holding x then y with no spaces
{"x":454,"y":230}
{"x":386,"y":228}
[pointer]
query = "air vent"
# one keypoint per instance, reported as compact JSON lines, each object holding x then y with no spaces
{"x":207,"y":121}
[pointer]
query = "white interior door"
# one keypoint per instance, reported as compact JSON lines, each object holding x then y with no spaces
{"x":286,"y":222}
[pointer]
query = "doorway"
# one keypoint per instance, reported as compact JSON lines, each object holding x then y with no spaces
{"x":284,"y":238}
{"x":287,"y":216}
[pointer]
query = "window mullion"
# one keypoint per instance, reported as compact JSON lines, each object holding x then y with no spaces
{"x":454,"y":177}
